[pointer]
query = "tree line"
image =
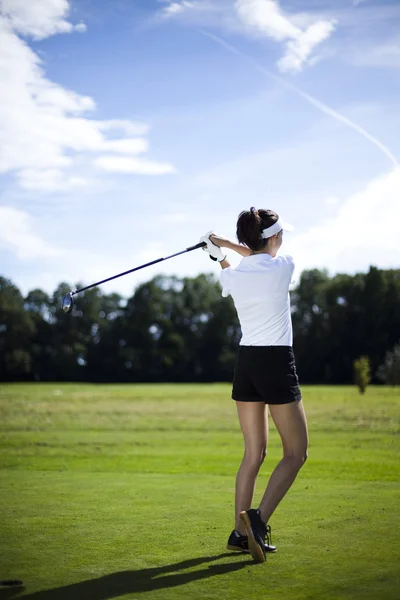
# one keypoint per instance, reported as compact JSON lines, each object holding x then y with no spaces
{"x":182,"y":330}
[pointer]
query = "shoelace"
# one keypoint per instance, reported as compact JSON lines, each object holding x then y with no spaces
{"x":268,"y":535}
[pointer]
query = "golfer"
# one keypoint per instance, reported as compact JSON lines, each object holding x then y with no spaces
{"x":265,"y":371}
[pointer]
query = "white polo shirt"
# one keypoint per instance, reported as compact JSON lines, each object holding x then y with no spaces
{"x":259,"y":286}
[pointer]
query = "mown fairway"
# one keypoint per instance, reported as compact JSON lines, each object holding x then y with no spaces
{"x":127,"y":491}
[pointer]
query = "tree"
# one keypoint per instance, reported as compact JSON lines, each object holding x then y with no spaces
{"x":16,"y":331}
{"x":107,"y":341}
{"x":362,"y":372}
{"x":336,"y":320}
{"x":389,"y":371}
{"x":181,"y":329}
{"x":310,"y":323}
{"x":37,"y":304}
{"x":342,"y":340}
{"x":71,"y":334}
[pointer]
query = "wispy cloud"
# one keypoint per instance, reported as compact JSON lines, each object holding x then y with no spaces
{"x":43,"y":126}
{"x":267,"y":18}
{"x":50,"y":180}
{"x":381,"y":55}
{"x":370,"y":214}
{"x":308,"y":97}
{"x":127,"y":146}
{"x":191,"y":8}
{"x":298,"y":33}
{"x":18,"y":233}
{"x":174,"y":8}
{"x":124,"y":164}
{"x":39,"y":19}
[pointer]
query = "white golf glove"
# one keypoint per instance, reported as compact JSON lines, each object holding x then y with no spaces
{"x":214,"y":251}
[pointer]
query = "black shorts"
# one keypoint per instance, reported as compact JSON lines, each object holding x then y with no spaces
{"x":266,"y":374}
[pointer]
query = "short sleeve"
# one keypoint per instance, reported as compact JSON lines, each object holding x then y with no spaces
{"x":290,"y":262}
{"x":292,"y":267}
{"x":225,"y":281}
{"x":288,"y":265}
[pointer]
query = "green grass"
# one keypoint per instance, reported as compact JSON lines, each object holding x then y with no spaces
{"x":127,"y":491}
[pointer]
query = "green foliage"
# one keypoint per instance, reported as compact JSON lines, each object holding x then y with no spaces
{"x":16,"y":330}
{"x":362,"y":373}
{"x":181,"y":329}
{"x":338,"y":319}
{"x":389,"y":371}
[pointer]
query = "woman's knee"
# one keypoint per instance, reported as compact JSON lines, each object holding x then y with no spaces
{"x":304,"y":456}
{"x":297,"y":457}
{"x":263,"y":454}
{"x":254,"y":458}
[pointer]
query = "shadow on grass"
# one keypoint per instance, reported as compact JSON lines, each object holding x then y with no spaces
{"x":6,"y":593}
{"x":143,"y":580}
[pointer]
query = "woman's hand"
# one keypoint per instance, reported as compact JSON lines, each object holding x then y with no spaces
{"x":213,"y":250}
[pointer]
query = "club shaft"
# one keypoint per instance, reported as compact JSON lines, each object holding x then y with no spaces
{"x":149,"y":264}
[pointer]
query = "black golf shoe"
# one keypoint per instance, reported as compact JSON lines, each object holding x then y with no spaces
{"x":239,"y":543}
{"x":256,"y":532}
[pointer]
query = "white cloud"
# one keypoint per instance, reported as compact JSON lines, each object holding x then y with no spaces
{"x":310,"y":99}
{"x":332,"y":201}
{"x":267,"y":18}
{"x":44,"y":130}
{"x":123,"y":164}
{"x":200,"y":12}
{"x":175,"y":8}
{"x":365,"y":225}
{"x":39,"y":18}
{"x":386,"y":55}
{"x":298,"y":50}
{"x":18,"y":234}
{"x":50,"y":180}
{"x":81,"y":28}
{"x":128,"y":127}
{"x":127,"y":145}
{"x":300,"y":33}
{"x":72,"y":269}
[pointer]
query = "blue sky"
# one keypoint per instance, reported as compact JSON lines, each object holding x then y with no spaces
{"x":131,"y":128}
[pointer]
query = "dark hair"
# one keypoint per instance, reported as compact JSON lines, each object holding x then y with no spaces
{"x":251,"y":223}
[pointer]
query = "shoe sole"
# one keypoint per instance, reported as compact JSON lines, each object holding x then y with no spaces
{"x":236,"y":549}
{"x":254,"y":548}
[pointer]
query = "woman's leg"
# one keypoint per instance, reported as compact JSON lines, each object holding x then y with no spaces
{"x":253,"y":418}
{"x":290,"y":421}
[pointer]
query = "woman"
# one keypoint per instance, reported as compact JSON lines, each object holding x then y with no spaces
{"x":265,"y":372}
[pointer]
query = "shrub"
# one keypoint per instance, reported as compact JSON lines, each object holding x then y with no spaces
{"x":362,"y":373}
{"x":389,"y":371}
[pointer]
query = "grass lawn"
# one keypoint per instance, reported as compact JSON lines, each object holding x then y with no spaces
{"x":127,"y":491}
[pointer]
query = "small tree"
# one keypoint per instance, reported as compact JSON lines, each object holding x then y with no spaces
{"x":389,"y":372}
{"x":362,"y":373}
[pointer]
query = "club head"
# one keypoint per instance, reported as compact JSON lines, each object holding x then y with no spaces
{"x":67,"y":303}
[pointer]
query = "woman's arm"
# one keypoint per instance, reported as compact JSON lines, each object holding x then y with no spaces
{"x":225,"y":243}
{"x":225,"y":264}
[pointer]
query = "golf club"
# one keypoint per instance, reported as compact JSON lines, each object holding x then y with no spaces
{"x":68,"y":303}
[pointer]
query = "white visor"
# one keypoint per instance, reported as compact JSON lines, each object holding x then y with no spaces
{"x":276,"y":228}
